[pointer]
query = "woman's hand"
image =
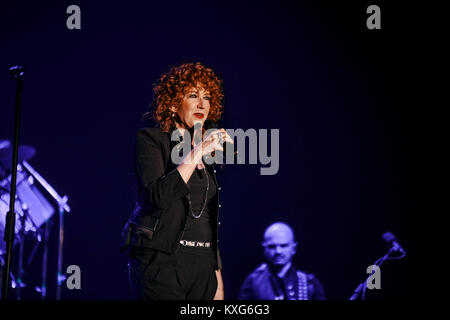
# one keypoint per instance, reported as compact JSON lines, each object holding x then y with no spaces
{"x":213,"y":141}
{"x":220,"y":295}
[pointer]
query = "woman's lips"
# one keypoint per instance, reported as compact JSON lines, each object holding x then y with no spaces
{"x":199,"y":115}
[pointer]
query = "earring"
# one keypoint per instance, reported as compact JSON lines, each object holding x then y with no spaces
{"x":173,"y":114}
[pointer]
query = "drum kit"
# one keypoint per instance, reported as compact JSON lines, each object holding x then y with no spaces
{"x":34,"y":207}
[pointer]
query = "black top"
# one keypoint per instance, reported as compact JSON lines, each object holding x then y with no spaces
{"x":200,"y":229}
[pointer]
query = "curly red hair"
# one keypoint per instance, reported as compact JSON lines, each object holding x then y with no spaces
{"x":171,"y":87}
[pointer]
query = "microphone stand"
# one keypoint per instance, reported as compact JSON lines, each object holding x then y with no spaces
{"x":363,"y":285}
{"x":20,"y":272}
{"x":63,"y":208}
{"x":17,"y":73}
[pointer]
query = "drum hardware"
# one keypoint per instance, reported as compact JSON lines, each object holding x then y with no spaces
{"x":33,"y":213}
{"x":63,"y":208}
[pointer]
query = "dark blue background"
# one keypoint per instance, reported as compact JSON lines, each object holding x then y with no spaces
{"x":348,"y":170}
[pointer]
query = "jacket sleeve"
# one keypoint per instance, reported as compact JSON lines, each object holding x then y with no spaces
{"x":161,"y":188}
{"x":318,"y":291}
{"x":245,"y":292}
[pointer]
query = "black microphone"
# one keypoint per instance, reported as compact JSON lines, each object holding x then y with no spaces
{"x":16,"y":72}
{"x":391,"y":239}
{"x":209,"y":124}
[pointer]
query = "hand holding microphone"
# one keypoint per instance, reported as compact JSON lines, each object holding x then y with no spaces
{"x":215,"y":141}
{"x":225,"y":140}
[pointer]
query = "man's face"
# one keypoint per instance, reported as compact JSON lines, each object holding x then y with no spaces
{"x":279,"y":247}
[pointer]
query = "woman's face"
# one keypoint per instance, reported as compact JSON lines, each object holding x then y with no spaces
{"x":195,"y":107}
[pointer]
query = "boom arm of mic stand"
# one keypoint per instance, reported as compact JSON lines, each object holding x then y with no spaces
{"x":358,"y":291}
{"x":363,"y":285}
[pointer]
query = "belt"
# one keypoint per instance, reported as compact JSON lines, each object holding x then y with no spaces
{"x":199,"y":244}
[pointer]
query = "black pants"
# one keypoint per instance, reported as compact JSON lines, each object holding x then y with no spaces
{"x":187,"y":274}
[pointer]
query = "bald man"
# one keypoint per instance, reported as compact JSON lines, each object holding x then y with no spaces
{"x":278,"y":279}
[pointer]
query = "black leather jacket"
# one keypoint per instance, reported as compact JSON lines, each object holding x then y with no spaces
{"x":263,"y":284}
{"x":160,"y":213}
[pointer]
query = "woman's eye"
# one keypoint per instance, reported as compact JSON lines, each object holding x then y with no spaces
{"x":208,"y":98}
{"x":193,"y":95}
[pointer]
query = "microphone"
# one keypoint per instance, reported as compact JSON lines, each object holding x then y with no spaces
{"x":392,"y":240}
{"x":209,"y":124}
{"x":16,"y":72}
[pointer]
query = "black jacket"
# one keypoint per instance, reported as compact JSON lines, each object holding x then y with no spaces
{"x":263,"y":284}
{"x":160,"y":214}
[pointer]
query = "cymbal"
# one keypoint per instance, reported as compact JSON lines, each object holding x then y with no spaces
{"x":6,"y":153}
